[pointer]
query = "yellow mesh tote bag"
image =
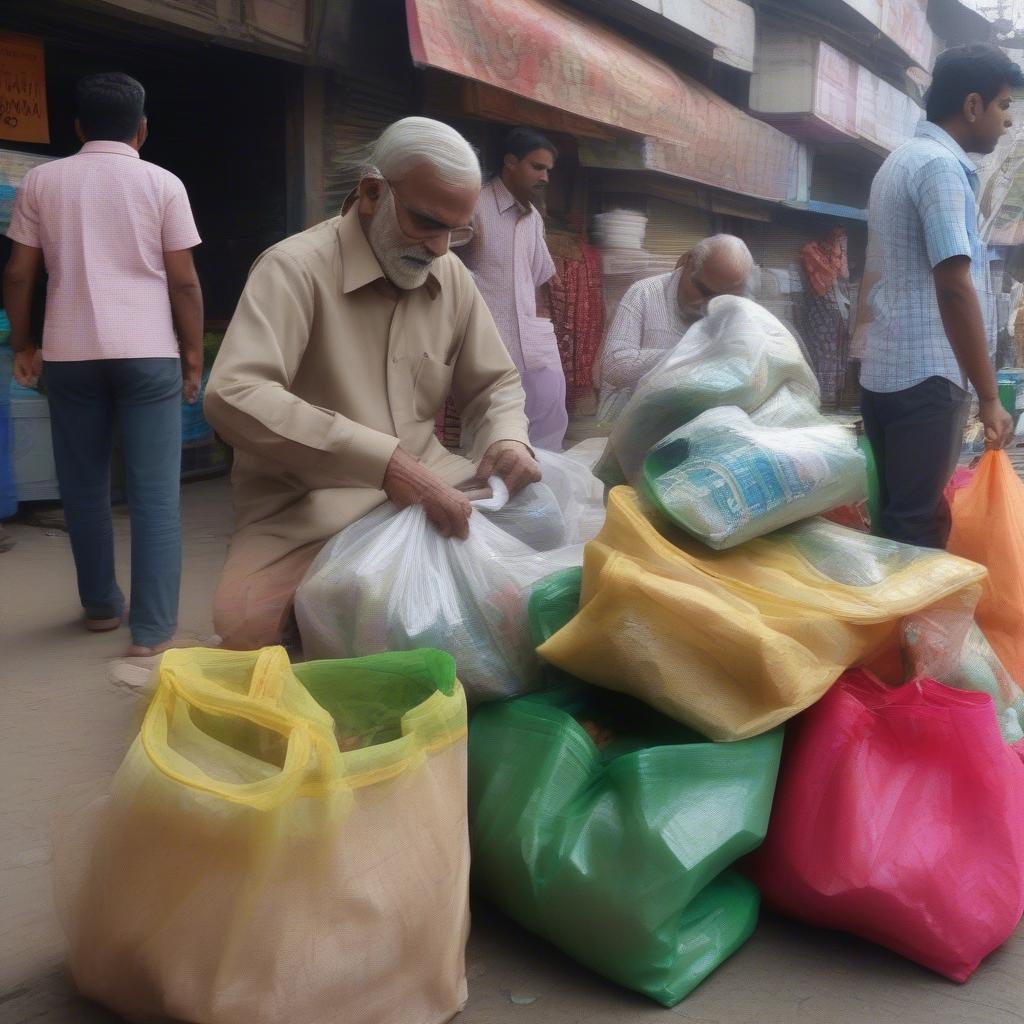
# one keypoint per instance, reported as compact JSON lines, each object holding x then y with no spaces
{"x":279,"y":844}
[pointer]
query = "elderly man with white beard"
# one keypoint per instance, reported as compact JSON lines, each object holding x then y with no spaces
{"x":347,"y":340}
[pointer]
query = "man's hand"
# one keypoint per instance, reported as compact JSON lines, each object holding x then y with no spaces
{"x":28,"y":366}
{"x":406,"y":483}
{"x":512,"y":461}
{"x":191,"y":379}
{"x":997,"y":421}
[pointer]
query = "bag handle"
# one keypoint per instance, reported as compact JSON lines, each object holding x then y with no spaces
{"x":499,"y":496}
{"x":308,"y":748}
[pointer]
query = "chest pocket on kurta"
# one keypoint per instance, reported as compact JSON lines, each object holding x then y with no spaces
{"x":431,"y":385}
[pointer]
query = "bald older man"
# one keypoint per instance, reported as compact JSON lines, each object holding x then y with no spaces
{"x":346,"y":342}
{"x":657,"y":311}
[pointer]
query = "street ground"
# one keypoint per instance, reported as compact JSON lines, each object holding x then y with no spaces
{"x":63,"y":722}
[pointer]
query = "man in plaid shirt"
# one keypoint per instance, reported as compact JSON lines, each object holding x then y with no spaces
{"x":926,"y":323}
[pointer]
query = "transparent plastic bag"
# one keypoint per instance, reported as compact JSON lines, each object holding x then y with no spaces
{"x":739,"y":354}
{"x":726,"y":480}
{"x":580,"y":495}
{"x":391,"y":582}
{"x":945,"y":643}
{"x":537,"y":517}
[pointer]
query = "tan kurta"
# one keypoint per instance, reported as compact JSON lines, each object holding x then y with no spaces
{"x":326,"y":368}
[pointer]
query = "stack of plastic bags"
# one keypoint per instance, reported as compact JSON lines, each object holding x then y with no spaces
{"x":738,"y":355}
{"x":391,"y":582}
{"x":723,"y":437}
{"x":279,"y":843}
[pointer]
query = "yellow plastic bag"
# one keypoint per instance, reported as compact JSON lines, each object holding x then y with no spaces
{"x":988,"y":527}
{"x":732,"y":643}
{"x":244,"y":870}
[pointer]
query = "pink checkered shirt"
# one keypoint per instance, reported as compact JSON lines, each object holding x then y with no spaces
{"x":510,"y":261}
{"x":104,"y":218}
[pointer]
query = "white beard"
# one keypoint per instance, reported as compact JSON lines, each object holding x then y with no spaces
{"x":406,"y":267}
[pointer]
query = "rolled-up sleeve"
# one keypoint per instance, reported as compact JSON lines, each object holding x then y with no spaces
{"x":941,"y":197}
{"x":486,"y":387}
{"x":248,"y":400}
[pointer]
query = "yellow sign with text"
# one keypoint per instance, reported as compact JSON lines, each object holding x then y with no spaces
{"x":23,"y":116}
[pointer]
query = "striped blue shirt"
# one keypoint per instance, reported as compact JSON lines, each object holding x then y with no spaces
{"x":923,"y":210}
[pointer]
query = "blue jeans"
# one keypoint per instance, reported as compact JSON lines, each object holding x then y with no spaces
{"x":144,"y":396}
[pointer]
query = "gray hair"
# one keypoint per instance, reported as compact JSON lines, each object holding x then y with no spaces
{"x":414,"y":140}
{"x":725,"y":247}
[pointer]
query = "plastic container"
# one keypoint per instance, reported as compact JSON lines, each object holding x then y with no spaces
{"x":35,"y":475}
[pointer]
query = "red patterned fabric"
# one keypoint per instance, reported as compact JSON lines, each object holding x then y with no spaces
{"x":577,"y":311}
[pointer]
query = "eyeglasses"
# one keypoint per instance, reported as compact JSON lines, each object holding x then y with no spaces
{"x":425,"y":229}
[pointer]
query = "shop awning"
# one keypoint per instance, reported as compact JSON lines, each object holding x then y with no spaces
{"x":550,"y":54}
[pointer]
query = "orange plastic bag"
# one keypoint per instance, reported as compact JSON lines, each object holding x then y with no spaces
{"x":988,"y":527}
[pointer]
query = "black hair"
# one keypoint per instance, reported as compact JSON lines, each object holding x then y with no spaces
{"x":521,"y":141}
{"x":110,"y":106}
{"x":977,"y":67}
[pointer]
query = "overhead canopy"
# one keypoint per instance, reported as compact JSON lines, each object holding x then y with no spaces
{"x":550,"y":54}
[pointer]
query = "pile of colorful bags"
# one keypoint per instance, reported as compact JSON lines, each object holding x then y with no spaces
{"x":614,"y":813}
{"x":720,"y":699}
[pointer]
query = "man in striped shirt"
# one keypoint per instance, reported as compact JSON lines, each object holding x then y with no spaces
{"x":510,"y":263}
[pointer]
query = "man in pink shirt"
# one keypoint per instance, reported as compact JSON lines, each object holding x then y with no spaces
{"x":122,"y":341}
{"x":510,"y":262}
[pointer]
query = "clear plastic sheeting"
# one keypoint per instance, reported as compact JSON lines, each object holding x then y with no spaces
{"x":580,"y":495}
{"x":739,"y":354}
{"x":391,"y":582}
{"x":733,"y":643}
{"x":726,"y":480}
{"x":535,"y":518}
{"x":945,"y":643}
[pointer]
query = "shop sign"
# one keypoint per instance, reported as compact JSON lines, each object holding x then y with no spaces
{"x":552,"y":55}
{"x":23,"y":116}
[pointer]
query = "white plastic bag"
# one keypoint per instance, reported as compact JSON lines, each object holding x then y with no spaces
{"x":726,"y":480}
{"x":391,"y":582}
{"x":580,"y":495}
{"x":739,"y":354}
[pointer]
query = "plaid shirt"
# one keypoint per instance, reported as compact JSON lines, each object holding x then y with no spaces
{"x":923,"y":210}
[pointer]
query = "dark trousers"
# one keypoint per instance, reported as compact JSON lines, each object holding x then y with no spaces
{"x":916,"y":436}
{"x":144,"y":396}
